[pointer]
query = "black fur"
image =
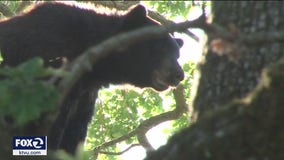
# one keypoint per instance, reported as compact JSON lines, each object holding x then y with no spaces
{"x":54,"y":30}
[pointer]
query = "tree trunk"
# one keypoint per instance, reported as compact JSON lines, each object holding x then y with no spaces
{"x":247,"y":129}
{"x":222,"y":79}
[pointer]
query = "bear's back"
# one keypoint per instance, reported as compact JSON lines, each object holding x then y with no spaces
{"x":52,"y":30}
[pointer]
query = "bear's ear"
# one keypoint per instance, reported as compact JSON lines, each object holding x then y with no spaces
{"x":135,"y":18}
{"x":179,"y":42}
{"x":137,"y":12}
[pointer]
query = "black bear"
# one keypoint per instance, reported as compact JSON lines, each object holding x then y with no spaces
{"x":54,"y":30}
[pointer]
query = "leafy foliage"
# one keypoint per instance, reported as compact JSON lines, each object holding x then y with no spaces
{"x":80,"y":154}
{"x":128,"y":107}
{"x":23,"y":95}
{"x":13,"y":5}
{"x":171,"y":9}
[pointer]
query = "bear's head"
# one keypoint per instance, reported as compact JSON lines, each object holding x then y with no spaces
{"x":150,"y":63}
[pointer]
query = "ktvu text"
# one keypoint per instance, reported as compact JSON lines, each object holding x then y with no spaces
{"x":29,"y":145}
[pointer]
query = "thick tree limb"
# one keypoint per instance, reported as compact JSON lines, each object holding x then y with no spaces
{"x":143,"y":140}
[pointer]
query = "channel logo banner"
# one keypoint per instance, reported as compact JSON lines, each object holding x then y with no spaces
{"x":29,"y":145}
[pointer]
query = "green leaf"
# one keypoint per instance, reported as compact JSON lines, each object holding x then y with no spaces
{"x":23,"y":96}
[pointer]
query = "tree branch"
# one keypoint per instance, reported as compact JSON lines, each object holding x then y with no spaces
{"x":233,"y":43}
{"x":143,"y":140}
{"x":117,"y":140}
{"x":119,"y":153}
{"x":181,"y":107}
{"x":156,"y":16}
{"x":214,"y":30}
{"x":145,"y":126}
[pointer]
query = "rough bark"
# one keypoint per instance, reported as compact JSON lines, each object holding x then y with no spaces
{"x":222,"y":79}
